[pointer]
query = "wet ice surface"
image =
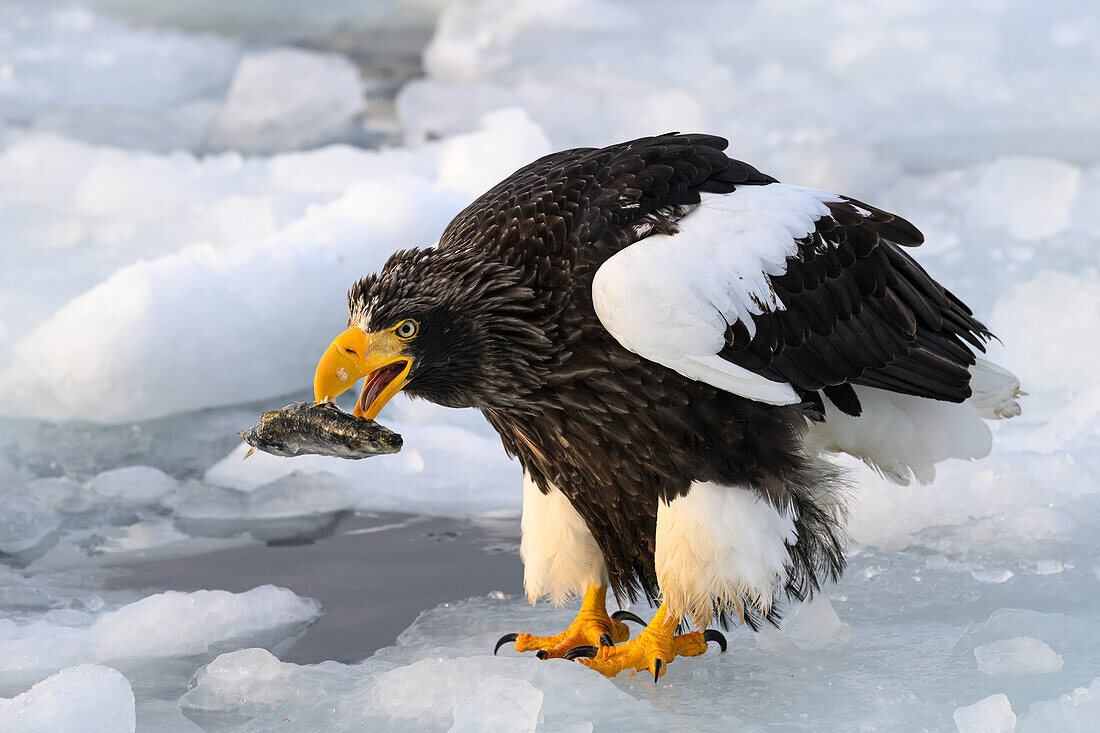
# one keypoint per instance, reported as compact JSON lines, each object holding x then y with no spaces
{"x":176,"y":243}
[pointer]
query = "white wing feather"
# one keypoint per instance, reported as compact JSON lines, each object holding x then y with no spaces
{"x":670,"y":298}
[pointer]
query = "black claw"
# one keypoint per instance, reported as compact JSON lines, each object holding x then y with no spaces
{"x":504,"y":640}
{"x":605,"y":639}
{"x":715,"y":636}
{"x":627,"y":616}
{"x":581,"y":651}
{"x":657,"y":664}
{"x":542,"y":654}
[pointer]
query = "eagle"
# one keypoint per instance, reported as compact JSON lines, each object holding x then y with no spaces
{"x":671,"y":343}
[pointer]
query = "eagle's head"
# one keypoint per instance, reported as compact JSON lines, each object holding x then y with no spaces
{"x":449,"y":325}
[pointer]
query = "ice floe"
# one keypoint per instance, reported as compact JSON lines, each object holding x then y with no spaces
{"x":87,"y":698}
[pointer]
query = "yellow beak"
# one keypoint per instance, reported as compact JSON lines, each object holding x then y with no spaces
{"x":380,"y":357}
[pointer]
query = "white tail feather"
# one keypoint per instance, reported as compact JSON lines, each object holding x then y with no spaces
{"x":904,"y":437}
{"x":996,"y":391}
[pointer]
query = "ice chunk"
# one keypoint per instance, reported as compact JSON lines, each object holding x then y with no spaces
{"x":1050,"y":317}
{"x":811,"y":624}
{"x":499,"y":704}
{"x":82,"y":699}
{"x":158,"y":626}
{"x":176,"y":624}
{"x":989,"y":715}
{"x":1077,"y":712}
{"x":64,"y":495}
{"x":1016,"y":656}
{"x":991,"y":575}
{"x":133,"y":484}
{"x":1008,"y":199}
{"x":89,"y":75}
{"x":178,"y":303}
{"x":289,"y":506}
{"x":435,"y":694}
{"x":24,"y":523}
{"x":573,"y":71}
{"x":249,"y":683}
{"x":285,"y":99}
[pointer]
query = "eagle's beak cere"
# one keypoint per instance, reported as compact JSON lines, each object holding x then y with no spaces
{"x":379,"y":357}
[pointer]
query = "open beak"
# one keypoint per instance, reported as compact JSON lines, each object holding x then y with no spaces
{"x":380,"y":357}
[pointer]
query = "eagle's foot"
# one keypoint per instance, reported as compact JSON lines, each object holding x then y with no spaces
{"x":652,"y":650}
{"x":592,"y":627}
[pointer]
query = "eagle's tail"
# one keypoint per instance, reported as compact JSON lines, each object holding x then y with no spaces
{"x":904,"y":437}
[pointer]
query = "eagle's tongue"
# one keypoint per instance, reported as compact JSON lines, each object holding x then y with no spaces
{"x":377,"y":381}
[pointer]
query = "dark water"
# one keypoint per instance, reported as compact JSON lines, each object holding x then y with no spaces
{"x":373,"y":575}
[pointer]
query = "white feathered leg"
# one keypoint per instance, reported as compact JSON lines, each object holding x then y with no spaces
{"x":720,"y":544}
{"x":560,"y":556}
{"x":561,"y":560}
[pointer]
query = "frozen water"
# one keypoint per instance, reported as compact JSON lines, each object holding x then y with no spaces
{"x":928,"y":86}
{"x":991,"y":715}
{"x":138,"y":484}
{"x":70,"y":70}
{"x":1019,"y":655}
{"x":143,"y":275}
{"x":86,"y":698}
{"x":1075,"y":712}
{"x":441,"y":671}
{"x":294,"y":505}
{"x":158,"y":627}
{"x":288,"y":99}
{"x":24,"y":523}
{"x":174,"y":304}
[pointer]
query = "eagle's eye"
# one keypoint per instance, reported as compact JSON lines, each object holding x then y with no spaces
{"x":406,"y":329}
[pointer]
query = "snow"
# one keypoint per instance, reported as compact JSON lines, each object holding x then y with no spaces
{"x":148,"y":332}
{"x":288,"y":99}
{"x":182,"y":212}
{"x":69,"y":70}
{"x":158,"y":627}
{"x":86,"y":698}
{"x":1019,"y":655}
{"x":991,"y":715}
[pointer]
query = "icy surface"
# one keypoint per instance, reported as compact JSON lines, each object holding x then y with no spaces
{"x":86,"y":698}
{"x":139,"y":484}
{"x":367,"y":204}
{"x":991,"y":715}
{"x":24,"y":523}
{"x":288,"y":98}
{"x":1074,"y":712}
{"x":1019,"y":655}
{"x":157,"y":627}
{"x":171,"y":264}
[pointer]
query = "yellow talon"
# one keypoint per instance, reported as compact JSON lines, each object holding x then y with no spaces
{"x":651,"y":650}
{"x":591,"y":623}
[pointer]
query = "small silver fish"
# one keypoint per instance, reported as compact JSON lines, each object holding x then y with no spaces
{"x":321,"y":428}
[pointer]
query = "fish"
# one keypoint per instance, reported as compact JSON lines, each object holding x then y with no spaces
{"x":319,"y":428}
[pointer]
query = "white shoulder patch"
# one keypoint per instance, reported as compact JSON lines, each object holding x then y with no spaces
{"x":670,"y":298}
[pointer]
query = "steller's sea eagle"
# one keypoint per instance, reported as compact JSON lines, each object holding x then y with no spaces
{"x":668,"y":340}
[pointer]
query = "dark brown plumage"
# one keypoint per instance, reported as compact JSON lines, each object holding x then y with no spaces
{"x":508,"y":326}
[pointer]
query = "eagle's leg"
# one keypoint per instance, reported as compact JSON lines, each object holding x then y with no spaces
{"x":653,"y":649}
{"x":592,"y":627}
